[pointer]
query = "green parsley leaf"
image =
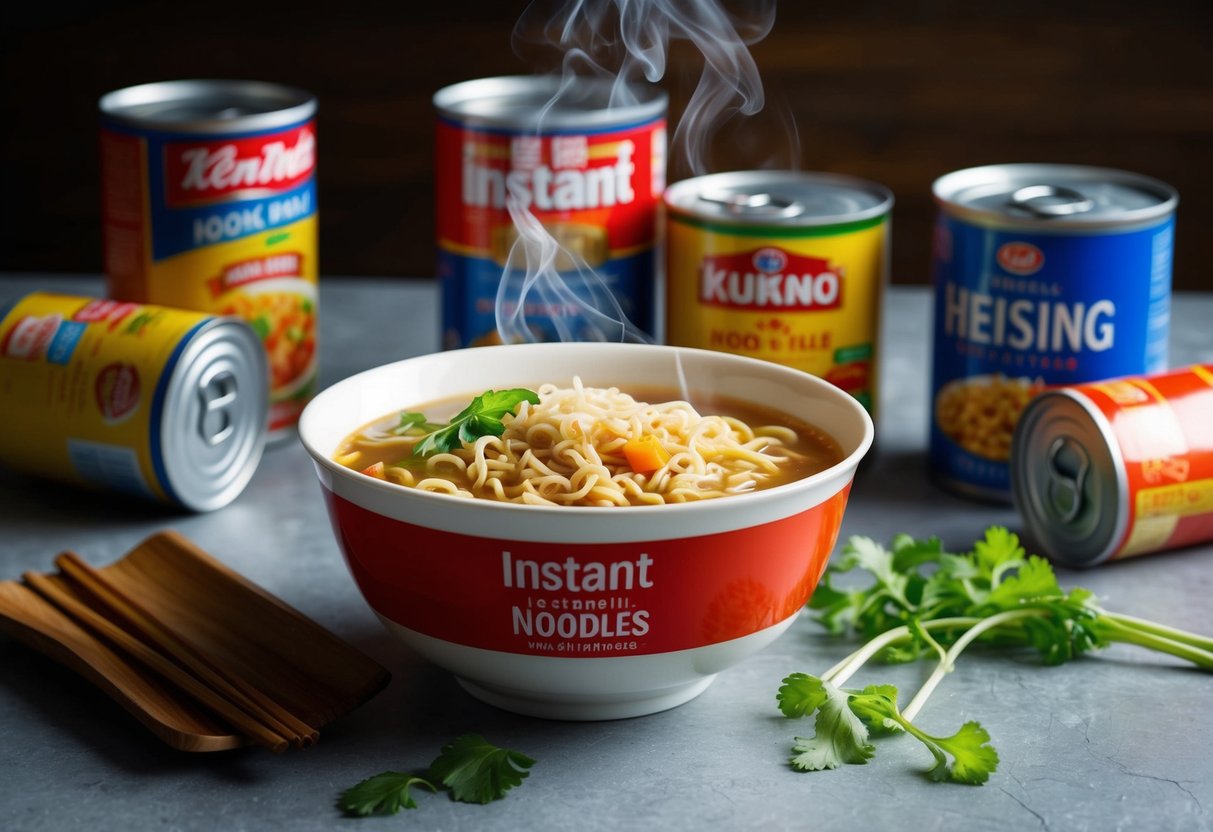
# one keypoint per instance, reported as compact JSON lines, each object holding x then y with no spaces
{"x":413,"y":423}
{"x":477,"y":771}
{"x":841,"y":736}
{"x":1032,"y":581}
{"x":480,"y":418}
{"x":974,"y":759}
{"x":383,"y":794}
{"x":800,"y":695}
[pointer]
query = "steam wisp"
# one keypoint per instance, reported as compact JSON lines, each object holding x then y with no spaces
{"x":624,"y":42}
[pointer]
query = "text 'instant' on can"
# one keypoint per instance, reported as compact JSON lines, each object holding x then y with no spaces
{"x":164,"y":404}
{"x":1117,"y":468}
{"x":1044,"y":275}
{"x":784,"y":266}
{"x":592,"y":174}
{"x":209,"y":203}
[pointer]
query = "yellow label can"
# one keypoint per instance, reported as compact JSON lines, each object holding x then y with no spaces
{"x":784,"y":266}
{"x":161,"y":403}
{"x":209,"y":202}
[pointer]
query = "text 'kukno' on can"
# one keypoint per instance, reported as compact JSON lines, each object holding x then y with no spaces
{"x":1044,"y":275}
{"x":784,"y":266}
{"x":589,"y":169}
{"x":1117,"y":468}
{"x":209,"y":203}
{"x":165,"y":404}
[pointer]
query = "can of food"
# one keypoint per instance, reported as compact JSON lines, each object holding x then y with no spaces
{"x":1117,"y":468}
{"x":165,"y":404}
{"x":1044,"y":275}
{"x":589,"y":170}
{"x":784,"y":266}
{"x":209,"y":203}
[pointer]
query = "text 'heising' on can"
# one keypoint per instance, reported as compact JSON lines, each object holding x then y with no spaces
{"x":591,"y":173}
{"x":1044,"y":275}
{"x":161,"y":403}
{"x":1117,"y":468}
{"x":780,"y":265}
{"x":209,"y":203}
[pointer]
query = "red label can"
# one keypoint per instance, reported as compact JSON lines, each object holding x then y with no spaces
{"x":1117,"y":468}
{"x":592,"y":174}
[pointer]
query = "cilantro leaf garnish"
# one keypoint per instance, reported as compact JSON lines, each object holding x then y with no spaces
{"x":383,"y":794}
{"x":470,"y":768}
{"x":477,"y":771}
{"x":412,"y":423}
{"x":480,"y":418}
{"x":923,"y":601}
{"x":845,"y":716}
{"x":841,"y":736}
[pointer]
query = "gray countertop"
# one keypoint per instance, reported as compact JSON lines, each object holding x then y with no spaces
{"x":1116,"y":741}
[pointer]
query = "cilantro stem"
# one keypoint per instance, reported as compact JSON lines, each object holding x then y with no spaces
{"x":848,"y":667}
{"x":1171,"y":633}
{"x":1115,"y":631}
{"x":949,"y":660}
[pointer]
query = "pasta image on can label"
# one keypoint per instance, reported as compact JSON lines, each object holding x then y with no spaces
{"x":164,"y":404}
{"x":1044,"y":275}
{"x":784,"y":266}
{"x":592,"y":174}
{"x":209,"y":203}
{"x":1117,"y":468}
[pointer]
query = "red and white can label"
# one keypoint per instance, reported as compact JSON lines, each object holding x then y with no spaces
{"x":587,"y":600}
{"x":1164,"y":428}
{"x":596,"y":192}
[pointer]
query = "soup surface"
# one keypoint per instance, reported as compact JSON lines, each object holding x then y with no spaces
{"x":590,"y":446}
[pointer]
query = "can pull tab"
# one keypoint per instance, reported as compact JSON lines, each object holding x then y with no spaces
{"x":1068,"y":467}
{"x":217,"y":394}
{"x":1051,"y":201}
{"x":759,"y":204}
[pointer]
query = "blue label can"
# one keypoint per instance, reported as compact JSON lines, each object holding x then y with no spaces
{"x":1044,"y":275}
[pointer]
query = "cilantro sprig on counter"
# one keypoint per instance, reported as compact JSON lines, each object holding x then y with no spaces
{"x":923,"y":601}
{"x":384,"y":794}
{"x":480,"y":418}
{"x":472,"y":769}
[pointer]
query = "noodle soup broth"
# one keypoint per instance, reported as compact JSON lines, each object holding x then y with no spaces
{"x":711,"y":446}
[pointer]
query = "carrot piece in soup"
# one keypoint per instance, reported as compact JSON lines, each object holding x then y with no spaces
{"x":645,"y":454}
{"x":375,"y":470}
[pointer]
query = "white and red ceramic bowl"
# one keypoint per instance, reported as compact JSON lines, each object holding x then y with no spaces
{"x":584,"y":613}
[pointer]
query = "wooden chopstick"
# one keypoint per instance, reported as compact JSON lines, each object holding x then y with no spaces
{"x":138,"y":620}
{"x":245,"y":723}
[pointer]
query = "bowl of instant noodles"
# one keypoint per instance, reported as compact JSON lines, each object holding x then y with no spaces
{"x":585,"y":531}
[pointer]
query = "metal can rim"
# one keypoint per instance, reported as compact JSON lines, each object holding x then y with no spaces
{"x":295,"y":105}
{"x":1020,"y":491}
{"x":178,"y":477}
{"x":945,"y":188}
{"x":464,"y":102}
{"x":679,"y":194}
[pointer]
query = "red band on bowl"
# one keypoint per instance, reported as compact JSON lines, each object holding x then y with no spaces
{"x":580,"y":600}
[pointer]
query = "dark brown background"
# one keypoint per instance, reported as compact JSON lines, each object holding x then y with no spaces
{"x":893,"y":90}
